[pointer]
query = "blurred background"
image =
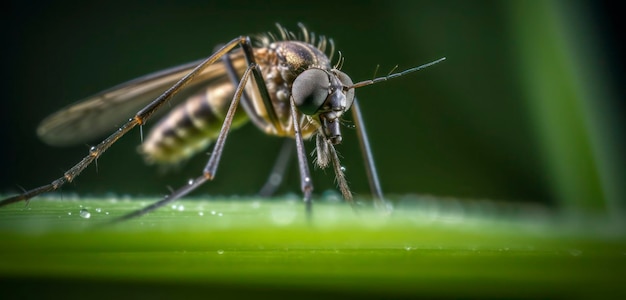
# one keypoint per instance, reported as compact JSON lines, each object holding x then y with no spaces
{"x":525,"y":109}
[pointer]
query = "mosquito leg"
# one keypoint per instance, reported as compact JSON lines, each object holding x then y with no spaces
{"x":366,"y":150}
{"x":73,"y":172}
{"x":278,"y":171}
{"x":280,"y":166}
{"x":211,"y":166}
{"x":306,"y":184}
{"x":246,"y":103}
{"x":139,"y":119}
{"x":246,"y":45}
{"x":147,"y":111}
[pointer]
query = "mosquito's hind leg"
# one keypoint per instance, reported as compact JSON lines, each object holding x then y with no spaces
{"x":139,"y":119}
{"x":211,"y":167}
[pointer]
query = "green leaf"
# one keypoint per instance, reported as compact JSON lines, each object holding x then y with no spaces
{"x":261,"y":248}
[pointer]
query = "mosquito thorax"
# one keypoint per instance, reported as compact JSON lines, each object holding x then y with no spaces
{"x":325,"y":96}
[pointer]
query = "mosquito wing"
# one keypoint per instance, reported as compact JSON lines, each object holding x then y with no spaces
{"x":101,"y":114}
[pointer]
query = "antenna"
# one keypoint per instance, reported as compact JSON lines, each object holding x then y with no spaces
{"x":394,"y":75}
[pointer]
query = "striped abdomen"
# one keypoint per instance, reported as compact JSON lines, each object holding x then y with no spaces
{"x":191,"y":126}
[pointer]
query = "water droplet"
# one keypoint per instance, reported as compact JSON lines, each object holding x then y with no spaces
{"x":181,"y":208}
{"x":174,"y":206}
{"x":106,"y":213}
{"x":200,"y":213}
{"x":407,"y":248}
{"x":69,"y":213}
{"x":85,"y":214}
{"x":343,"y":169}
{"x":98,"y":210}
{"x":219,"y":214}
{"x":220,"y":252}
{"x":213,"y":212}
{"x":190,"y":182}
{"x":93,"y":151}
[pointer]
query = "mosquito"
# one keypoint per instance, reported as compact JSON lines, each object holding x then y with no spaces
{"x":285,"y":84}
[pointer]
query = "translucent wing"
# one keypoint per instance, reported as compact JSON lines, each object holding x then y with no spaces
{"x":101,"y":114}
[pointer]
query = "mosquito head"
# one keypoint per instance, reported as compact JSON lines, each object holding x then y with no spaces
{"x":324,"y":95}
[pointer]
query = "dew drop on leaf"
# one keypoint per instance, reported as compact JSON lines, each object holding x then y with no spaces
{"x":85,"y":214}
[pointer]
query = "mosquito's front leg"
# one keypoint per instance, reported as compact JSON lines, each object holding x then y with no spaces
{"x":306,"y":184}
{"x":366,"y":150}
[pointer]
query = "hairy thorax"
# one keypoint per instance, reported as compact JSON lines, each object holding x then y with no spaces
{"x":280,"y":63}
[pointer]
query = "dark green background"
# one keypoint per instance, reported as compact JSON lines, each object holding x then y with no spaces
{"x":465,"y":128}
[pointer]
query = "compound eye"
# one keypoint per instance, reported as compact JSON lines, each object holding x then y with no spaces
{"x":310,"y":90}
{"x":346,"y":81}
